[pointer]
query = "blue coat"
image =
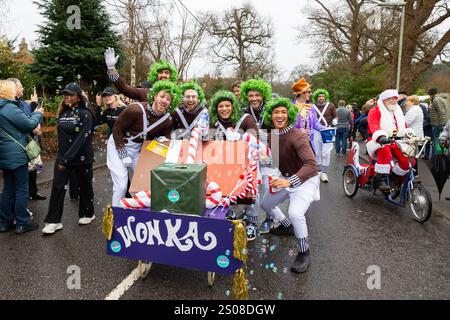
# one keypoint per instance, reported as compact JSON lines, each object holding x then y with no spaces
{"x":17,"y":124}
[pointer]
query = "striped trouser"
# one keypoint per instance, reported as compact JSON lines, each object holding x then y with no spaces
{"x":300,"y":199}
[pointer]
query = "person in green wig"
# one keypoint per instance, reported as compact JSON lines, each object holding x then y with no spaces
{"x":255,"y":93}
{"x":296,"y":178}
{"x":159,"y":71}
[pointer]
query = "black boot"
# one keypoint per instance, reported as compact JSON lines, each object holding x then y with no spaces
{"x":301,"y":263}
{"x":382,"y":181}
{"x":281,"y":230}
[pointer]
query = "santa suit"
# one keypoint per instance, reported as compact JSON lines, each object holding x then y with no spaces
{"x":382,"y":122}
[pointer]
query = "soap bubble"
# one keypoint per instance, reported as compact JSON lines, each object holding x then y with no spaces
{"x":285,"y":270}
{"x":227,"y":252}
{"x":77,"y":129}
{"x":227,"y":293}
{"x":280,"y":296}
{"x":82,"y":158}
{"x":291,"y":252}
{"x":59,"y":79}
{"x":251,"y":272}
{"x":79,"y":76}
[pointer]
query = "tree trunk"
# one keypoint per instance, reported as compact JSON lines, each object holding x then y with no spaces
{"x":131,"y":30}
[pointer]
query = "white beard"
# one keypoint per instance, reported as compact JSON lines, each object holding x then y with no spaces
{"x":392,"y":107}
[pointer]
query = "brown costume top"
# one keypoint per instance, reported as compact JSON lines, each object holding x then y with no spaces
{"x":130,"y":123}
{"x":139,"y":94}
{"x":329,"y":115}
{"x":296,"y":157}
{"x":248,"y":125}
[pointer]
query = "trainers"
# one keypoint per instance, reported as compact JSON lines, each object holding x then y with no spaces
{"x":251,"y":231}
{"x":51,"y":228}
{"x":323,"y":177}
{"x":281,"y":230}
{"x":85,"y":221}
{"x":301,"y":262}
{"x":265,"y":226}
{"x":27,"y":228}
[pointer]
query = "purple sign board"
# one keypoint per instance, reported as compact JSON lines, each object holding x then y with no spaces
{"x":193,"y":242}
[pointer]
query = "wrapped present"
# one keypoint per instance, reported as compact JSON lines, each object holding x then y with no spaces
{"x":179,"y":188}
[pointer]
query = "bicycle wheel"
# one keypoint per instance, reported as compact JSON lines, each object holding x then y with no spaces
{"x":420,"y":203}
{"x":350,"y":182}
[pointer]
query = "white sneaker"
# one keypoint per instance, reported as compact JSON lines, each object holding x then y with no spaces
{"x":51,"y":228}
{"x":323,"y":177}
{"x":85,"y":221}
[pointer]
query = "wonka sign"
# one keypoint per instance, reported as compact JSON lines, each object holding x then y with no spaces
{"x":192,"y":242}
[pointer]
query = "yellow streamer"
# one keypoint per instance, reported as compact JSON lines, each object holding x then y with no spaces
{"x":108,"y":222}
{"x":240,"y":288}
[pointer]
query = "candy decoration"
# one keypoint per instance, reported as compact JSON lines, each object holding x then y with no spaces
{"x":193,"y":146}
{"x":140,"y":200}
{"x":215,"y":197}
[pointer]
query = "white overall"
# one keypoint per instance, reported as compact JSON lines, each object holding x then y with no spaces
{"x":323,"y":150}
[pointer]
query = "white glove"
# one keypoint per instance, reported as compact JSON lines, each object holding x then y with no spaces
{"x":334,"y":122}
{"x":232,"y":136}
{"x":127,"y":161}
{"x":111,"y":58}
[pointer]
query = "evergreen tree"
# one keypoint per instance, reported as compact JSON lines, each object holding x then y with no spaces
{"x":71,"y":52}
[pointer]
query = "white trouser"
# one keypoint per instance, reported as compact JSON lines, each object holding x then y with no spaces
{"x":264,"y":174}
{"x":300,"y":199}
{"x":119,"y":173}
{"x":323,"y":152}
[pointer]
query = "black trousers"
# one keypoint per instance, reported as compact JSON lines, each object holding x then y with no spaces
{"x":74,"y":188}
{"x":32,"y":183}
{"x":84,"y":174}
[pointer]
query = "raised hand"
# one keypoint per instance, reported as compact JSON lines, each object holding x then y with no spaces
{"x":111,"y":58}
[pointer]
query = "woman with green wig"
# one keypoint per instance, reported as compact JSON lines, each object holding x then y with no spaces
{"x":296,"y":178}
{"x":188,"y":114}
{"x":227,"y":119}
{"x":159,"y":71}
{"x":140,"y":121}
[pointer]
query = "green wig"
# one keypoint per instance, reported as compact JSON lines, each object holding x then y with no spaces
{"x":318,"y":92}
{"x":280,"y":102}
{"x":160,"y":66}
{"x":169,"y":87}
{"x":194,"y":86}
{"x":220,"y":96}
{"x":256,"y":85}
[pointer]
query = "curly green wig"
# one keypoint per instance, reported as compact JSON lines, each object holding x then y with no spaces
{"x":158,"y":67}
{"x":320,"y":91}
{"x":194,"y":86}
{"x":220,"y":96}
{"x":280,"y":102}
{"x":169,"y":87}
{"x":256,"y":85}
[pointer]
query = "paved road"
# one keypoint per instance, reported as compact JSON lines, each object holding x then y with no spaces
{"x":347,"y":236}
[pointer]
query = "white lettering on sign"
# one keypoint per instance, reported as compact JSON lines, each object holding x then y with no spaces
{"x":148,"y":232}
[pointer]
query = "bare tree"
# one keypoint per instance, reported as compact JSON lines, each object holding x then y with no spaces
{"x":344,"y":27}
{"x":242,"y":38}
{"x":131,"y":12}
{"x":4,"y":4}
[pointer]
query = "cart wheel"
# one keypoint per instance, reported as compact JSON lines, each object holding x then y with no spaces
{"x":144,"y":269}
{"x":211,"y":277}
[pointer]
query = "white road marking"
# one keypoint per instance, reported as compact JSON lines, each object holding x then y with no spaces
{"x":120,"y":290}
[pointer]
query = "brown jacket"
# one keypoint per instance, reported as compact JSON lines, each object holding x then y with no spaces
{"x":130,"y":123}
{"x":329,"y":115}
{"x":139,"y":94}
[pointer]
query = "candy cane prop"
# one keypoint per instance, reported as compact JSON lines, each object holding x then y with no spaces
{"x":193,"y":146}
{"x":140,"y":200}
{"x":215,"y":197}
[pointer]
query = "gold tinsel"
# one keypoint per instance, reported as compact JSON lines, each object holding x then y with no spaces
{"x":240,"y":289}
{"x":108,"y":222}
{"x":240,"y":241}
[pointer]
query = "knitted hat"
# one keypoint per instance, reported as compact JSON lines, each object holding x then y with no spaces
{"x":193,"y":86}
{"x":301,"y":86}
{"x":318,"y":92}
{"x":280,"y":102}
{"x":387,"y":94}
{"x":158,"y":67}
{"x":220,"y":96}
{"x":169,"y":87}
{"x":259,"y":85}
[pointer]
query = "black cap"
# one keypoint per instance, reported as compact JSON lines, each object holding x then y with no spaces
{"x":108,"y":92}
{"x":432,"y":91}
{"x":72,"y":89}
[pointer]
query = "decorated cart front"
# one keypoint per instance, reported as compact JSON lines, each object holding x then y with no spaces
{"x":195,"y":235}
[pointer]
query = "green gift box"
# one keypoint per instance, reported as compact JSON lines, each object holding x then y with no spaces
{"x":179,"y":188}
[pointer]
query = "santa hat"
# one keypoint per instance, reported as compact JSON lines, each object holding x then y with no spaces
{"x":301,"y":86}
{"x":391,"y":93}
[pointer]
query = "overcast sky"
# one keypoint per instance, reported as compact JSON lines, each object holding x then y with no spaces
{"x":285,"y":15}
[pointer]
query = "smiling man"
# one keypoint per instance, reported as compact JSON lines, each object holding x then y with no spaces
{"x":299,"y":180}
{"x":138,"y":122}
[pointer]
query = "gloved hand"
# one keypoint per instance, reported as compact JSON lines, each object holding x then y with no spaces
{"x":232,"y":136}
{"x":334,"y":122}
{"x":111,"y":58}
{"x":383,"y":140}
{"x":127,"y":161}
